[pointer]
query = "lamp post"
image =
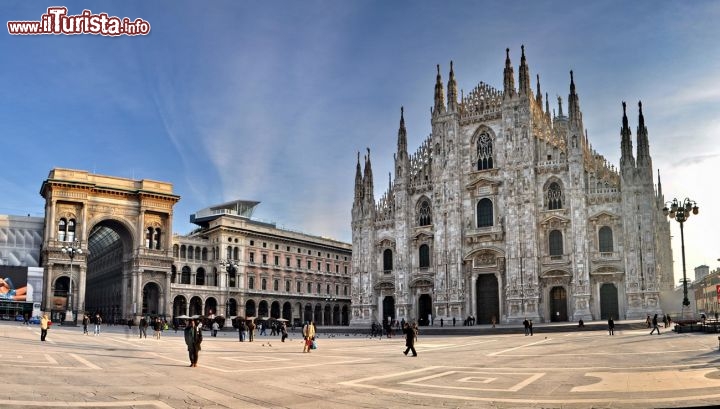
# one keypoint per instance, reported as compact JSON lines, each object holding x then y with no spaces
{"x":231,"y":267}
{"x":72,"y":249}
{"x":680,"y":211}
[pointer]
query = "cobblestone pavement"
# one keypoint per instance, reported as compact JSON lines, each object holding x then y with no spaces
{"x":548,"y":370}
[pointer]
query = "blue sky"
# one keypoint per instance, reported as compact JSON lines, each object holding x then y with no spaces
{"x":271,"y":101}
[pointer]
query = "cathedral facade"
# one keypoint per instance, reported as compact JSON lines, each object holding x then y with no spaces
{"x":506,"y":212}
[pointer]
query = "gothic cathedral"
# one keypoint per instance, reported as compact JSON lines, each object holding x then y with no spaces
{"x":506,"y":212}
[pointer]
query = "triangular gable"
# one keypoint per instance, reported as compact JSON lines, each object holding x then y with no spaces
{"x":554,"y":220}
{"x":603,"y":215}
{"x":482,"y":181}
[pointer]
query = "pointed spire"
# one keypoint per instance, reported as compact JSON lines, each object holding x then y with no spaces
{"x":523,"y":74}
{"x":452,"y":90}
{"x":574,"y":102}
{"x":659,"y":192}
{"x":626,"y":153}
{"x":439,"y":97}
{"x":560,"y":111}
{"x":402,"y":133}
{"x":547,"y":107}
{"x":509,"y":77}
{"x":643,"y":148}
{"x":538,"y":95}
{"x":368,"y":188}
{"x":358,"y":181}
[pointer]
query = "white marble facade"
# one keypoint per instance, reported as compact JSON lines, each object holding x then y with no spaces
{"x":506,"y":212}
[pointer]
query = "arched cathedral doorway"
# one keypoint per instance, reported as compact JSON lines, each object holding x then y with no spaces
{"x":609,"y":301}
{"x":558,"y":304}
{"x":488,"y":299}
{"x":424,"y":309}
{"x":388,"y":308}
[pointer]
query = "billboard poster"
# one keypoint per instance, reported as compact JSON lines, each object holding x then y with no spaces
{"x":16,"y":286}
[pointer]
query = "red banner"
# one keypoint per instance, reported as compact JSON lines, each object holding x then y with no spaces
{"x":717,"y":288}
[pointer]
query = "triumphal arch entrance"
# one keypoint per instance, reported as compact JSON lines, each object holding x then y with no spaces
{"x":106,"y":245}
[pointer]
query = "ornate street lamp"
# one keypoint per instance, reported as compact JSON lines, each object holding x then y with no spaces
{"x":231,"y":267}
{"x":72,"y":249}
{"x":681,"y":211}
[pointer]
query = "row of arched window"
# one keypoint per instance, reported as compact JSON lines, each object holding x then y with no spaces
{"x":555,"y":248}
{"x":423,"y":258}
{"x":152,"y":238}
{"x":298,"y":286}
{"x":66,"y":230}
{"x":605,"y":241}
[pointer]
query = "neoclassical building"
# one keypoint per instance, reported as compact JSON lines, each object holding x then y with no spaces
{"x":506,"y":211}
{"x":233,"y":265}
{"x":108,"y":247}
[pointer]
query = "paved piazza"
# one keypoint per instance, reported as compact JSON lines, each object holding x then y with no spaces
{"x":547,"y":370}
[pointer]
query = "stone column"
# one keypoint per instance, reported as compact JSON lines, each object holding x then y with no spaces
{"x":126,"y":306}
{"x":80,"y":305}
{"x":167,"y":294}
{"x":47,"y":299}
{"x":473,"y":291}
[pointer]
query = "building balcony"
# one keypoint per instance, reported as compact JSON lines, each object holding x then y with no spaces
{"x":598,"y":256}
{"x":483,"y":234}
{"x":558,"y":260}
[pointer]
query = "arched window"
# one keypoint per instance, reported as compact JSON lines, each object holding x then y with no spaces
{"x":317,"y":287}
{"x":236,"y":253}
{"x":554,"y":197}
{"x":424,"y":253}
{"x":263,"y":284}
{"x":191,"y":252}
{"x":605,"y":239}
{"x":327,"y":289}
{"x":62,"y":229}
{"x":228,"y":253}
{"x":287,"y":286}
{"x":200,"y":276}
{"x":484,"y":213}
{"x":484,"y":152}
{"x":185,"y":277}
{"x":197,"y":253}
{"x":556,"y":243}
{"x":387,"y":260}
{"x":276,"y":285}
{"x":204,"y":253}
{"x":149,"y":237}
{"x":176,"y":251}
{"x":71,"y":230}
{"x":251,"y":283}
{"x":424,"y":215}
{"x":157,"y":238}
{"x":183,"y":250}
{"x":173,"y":275}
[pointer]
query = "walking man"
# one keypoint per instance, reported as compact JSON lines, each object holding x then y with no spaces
{"x":655,"y":325}
{"x":143,"y":328}
{"x":193,"y":338}
{"x":611,"y":326}
{"x":526,"y":324}
{"x":410,"y":336}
